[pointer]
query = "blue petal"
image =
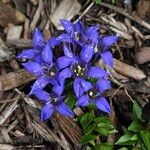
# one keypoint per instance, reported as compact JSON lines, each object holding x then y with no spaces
{"x":102,"y":104}
{"x":40,"y":83}
{"x":47,"y":54}
{"x":67,"y":51}
{"x":64,"y":62}
{"x":38,"y":59}
{"x":54,"y":41}
{"x":86,"y":53}
{"x":78,"y":88}
{"x":68,"y":26}
{"x":33,"y":68}
{"x":27,"y":54}
{"x":64,"y":74}
{"x":107,"y":58}
{"x":79,"y":26}
{"x":64,"y":110}
{"x":58,"y":89}
{"x":109,"y":40}
{"x":64,"y":38}
{"x":53,"y":81}
{"x":47,"y":111}
{"x":103,"y":84}
{"x":38,"y":39}
{"x":84,"y":100}
{"x":92,"y":34}
{"x":97,"y":72}
{"x":41,"y":95}
{"x":86,"y":85}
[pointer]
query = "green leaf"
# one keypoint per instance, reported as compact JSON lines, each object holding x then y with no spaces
{"x":91,"y":106}
{"x":137,"y":110}
{"x":88,"y":148}
{"x":92,"y":142}
{"x":104,"y":146}
{"x":127,"y":139}
{"x":102,"y":130}
{"x":102,"y":119}
{"x":123,"y":148}
{"x":86,"y":119}
{"x":104,"y":126}
{"x":145,"y":135}
{"x":136,"y":126}
{"x":71,"y":100}
{"x":113,"y":131}
{"x":90,"y":127}
{"x":87,"y":138}
{"x":97,"y":1}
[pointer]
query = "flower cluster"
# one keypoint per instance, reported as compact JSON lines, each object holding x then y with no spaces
{"x":81,"y":47}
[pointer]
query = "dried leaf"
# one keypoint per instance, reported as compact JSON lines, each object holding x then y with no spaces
{"x":143,"y":55}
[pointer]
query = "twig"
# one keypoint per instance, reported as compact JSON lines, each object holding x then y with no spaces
{"x":85,"y":11}
{"x":20,"y":77}
{"x":128,"y":71}
{"x":46,"y":133}
{"x":37,"y":15}
{"x":8,"y":100}
{"x":8,"y":111}
{"x":6,"y":147}
{"x":123,"y":12}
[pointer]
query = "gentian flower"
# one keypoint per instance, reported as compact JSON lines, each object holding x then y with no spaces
{"x":90,"y":40}
{"x":80,"y":45}
{"x":78,"y":67}
{"x":74,"y":31}
{"x":102,"y":49}
{"x":52,"y":102}
{"x":38,"y":45}
{"x":88,"y":93}
{"x":46,"y":71}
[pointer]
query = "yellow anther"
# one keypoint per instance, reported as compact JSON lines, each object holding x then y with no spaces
{"x":77,"y":74}
{"x":79,"y":67}
{"x":81,"y":74}
{"x":91,"y":93}
{"x":52,"y":73}
{"x":96,"y":49}
{"x":75,"y":70}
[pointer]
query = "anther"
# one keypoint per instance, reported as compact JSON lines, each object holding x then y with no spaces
{"x":79,"y":67}
{"x":52,"y":73}
{"x":91,"y":93}
{"x":96,"y":49}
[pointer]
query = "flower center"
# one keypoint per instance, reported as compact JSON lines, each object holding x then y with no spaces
{"x":77,"y":36}
{"x":50,"y":71}
{"x":93,"y":93}
{"x":96,"y":48}
{"x":54,"y":101}
{"x":79,"y":70}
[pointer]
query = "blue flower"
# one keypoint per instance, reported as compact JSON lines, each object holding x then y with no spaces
{"x":88,"y":93}
{"x":102,"y":49}
{"x":46,"y":70}
{"x":73,"y":31}
{"x":78,"y":66}
{"x":38,"y":45}
{"x":52,"y":102}
{"x":81,"y":45}
{"x":89,"y":39}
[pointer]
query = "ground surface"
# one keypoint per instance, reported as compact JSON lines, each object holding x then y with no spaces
{"x":20,"y":126}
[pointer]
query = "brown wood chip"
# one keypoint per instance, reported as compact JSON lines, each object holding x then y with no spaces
{"x":7,"y":15}
{"x":15,"y":79}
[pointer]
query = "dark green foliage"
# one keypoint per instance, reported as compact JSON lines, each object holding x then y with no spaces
{"x":95,"y":127}
{"x":138,"y":133}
